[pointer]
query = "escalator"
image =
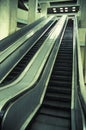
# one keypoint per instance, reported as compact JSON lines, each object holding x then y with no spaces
{"x":18,"y":69}
{"x":22,"y":97}
{"x":55,"y":112}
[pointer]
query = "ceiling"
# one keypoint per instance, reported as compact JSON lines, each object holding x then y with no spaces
{"x":23,"y":3}
{"x":51,"y":0}
{"x":55,"y":0}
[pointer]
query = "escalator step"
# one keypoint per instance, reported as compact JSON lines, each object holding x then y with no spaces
{"x":58,"y":97}
{"x":57,"y":104}
{"x":57,"y":64}
{"x":47,"y":126}
{"x":66,"y":47}
{"x":55,"y":113}
{"x":58,"y":83}
{"x":61,"y":78}
{"x":59,"y":90}
{"x":62,"y":68}
{"x":42,"y":126}
{"x":59,"y":122}
{"x":64,"y":73}
{"x":67,"y":37}
{"x":63,"y":56}
{"x":67,"y":40}
{"x":67,"y":55}
{"x":65,"y":52}
{"x":64,"y":61}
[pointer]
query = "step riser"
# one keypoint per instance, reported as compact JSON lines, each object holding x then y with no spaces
{"x":59,"y":91}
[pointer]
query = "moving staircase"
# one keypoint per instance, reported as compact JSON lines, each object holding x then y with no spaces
{"x":25,"y":97}
{"x":18,"y":69}
{"x":55,"y":112}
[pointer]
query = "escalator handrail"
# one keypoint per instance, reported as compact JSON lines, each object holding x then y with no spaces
{"x":73,"y":126}
{"x":32,"y":67}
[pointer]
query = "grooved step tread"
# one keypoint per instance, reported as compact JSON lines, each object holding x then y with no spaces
{"x":42,"y":126}
{"x":57,"y":97}
{"x":57,"y":64}
{"x":64,"y":61}
{"x":55,"y":113}
{"x":59,"y":122}
{"x":61,"y":77}
{"x":56,"y":104}
{"x":66,"y":41}
{"x":66,"y":49}
{"x":64,"y":57}
{"x":58,"y":90}
{"x":58,"y":83}
{"x":66,"y":46}
{"x":64,"y":73}
{"x":62,"y":68}
{"x":65,"y":52}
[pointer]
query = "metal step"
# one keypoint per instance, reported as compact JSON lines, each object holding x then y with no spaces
{"x":56,"y":104}
{"x":56,"y":83}
{"x":65,"y":52}
{"x":59,"y":122}
{"x":58,"y":97}
{"x":62,"y":68}
{"x":54,"y":113}
{"x":54,"y":89}
{"x":60,"y":72}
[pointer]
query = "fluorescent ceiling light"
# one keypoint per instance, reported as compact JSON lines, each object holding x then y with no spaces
{"x":54,"y":11}
{"x":66,"y":7}
{"x":66,"y":10}
{"x":73,"y":10}
{"x":73,"y":7}
{"x":61,"y":8}
{"x":54,"y":8}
